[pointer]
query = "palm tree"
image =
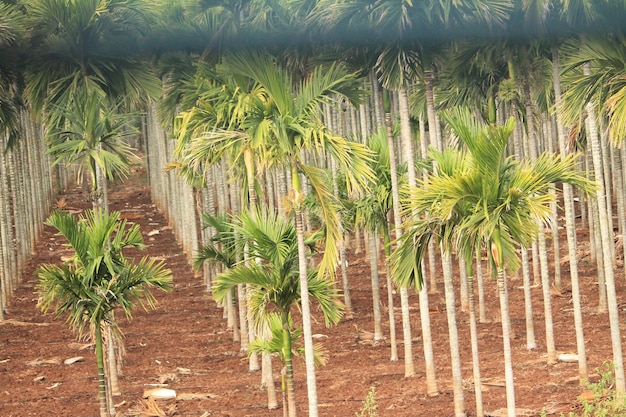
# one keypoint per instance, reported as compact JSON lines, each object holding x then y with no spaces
{"x":283,"y":122}
{"x":92,"y":136}
{"x":12,"y":35}
{"x":87,"y":45}
{"x":599,"y":91}
{"x":373,"y":210}
{"x":99,"y":278}
{"x":488,"y":200}
{"x":224,"y":250}
{"x":274,"y":281}
{"x":84,"y":51}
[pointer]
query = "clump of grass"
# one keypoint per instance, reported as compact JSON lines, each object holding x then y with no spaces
{"x":604,"y":400}
{"x":369,"y":405}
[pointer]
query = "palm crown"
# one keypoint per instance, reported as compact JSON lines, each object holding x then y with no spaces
{"x":99,"y":277}
{"x":478,"y":196}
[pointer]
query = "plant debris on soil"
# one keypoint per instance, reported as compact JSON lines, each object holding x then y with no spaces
{"x":185,"y":345}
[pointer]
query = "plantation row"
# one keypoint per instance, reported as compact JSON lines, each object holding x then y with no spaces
{"x":276,"y":128}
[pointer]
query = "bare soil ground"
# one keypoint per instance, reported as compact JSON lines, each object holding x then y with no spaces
{"x":186,"y":345}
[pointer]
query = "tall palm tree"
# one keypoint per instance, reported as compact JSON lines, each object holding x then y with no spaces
{"x":99,"y":278}
{"x":488,"y":200}
{"x":274,"y":282}
{"x":92,"y":136}
{"x":86,"y":50}
{"x":373,"y":210}
{"x":597,"y":90}
{"x":277,"y":127}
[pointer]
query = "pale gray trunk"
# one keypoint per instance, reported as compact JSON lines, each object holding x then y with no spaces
{"x":268,"y":381}
{"x":506,"y":340}
{"x":464,"y":292}
{"x":392,"y":317}
{"x":409,"y":365}
{"x":570,"y":227}
{"x":240,"y":333}
{"x":378,"y":320}
{"x":343,"y":263}
{"x":6,"y":233}
{"x":455,"y":355}
{"x":306,"y":318}
{"x":433,"y":130}
{"x":432,"y":250}
{"x":596,"y":243}
{"x":482,"y":310}
{"x":618,"y":179}
{"x":478,"y":391}
{"x":607,"y":242}
{"x":606,"y":166}
{"x":547,"y":302}
{"x":549,"y":137}
{"x":427,"y":341}
{"x":531,"y":343}
{"x":253,"y":360}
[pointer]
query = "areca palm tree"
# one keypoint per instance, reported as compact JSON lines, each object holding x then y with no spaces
{"x":596,"y":89}
{"x":12,"y":33}
{"x":373,"y":210}
{"x":274,"y":281}
{"x":99,"y":278}
{"x":277,"y":127}
{"x":87,"y":45}
{"x":485,"y":200}
{"x":83,"y":51}
{"x":92,"y":136}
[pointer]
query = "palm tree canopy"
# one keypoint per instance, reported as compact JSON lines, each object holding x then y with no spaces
{"x":604,"y":86}
{"x":267,"y":112}
{"x":88,"y":45}
{"x":12,"y":33}
{"x":272,"y":240}
{"x":480,"y":198}
{"x":99,"y":277}
{"x":223,"y":248}
{"x":92,"y":133}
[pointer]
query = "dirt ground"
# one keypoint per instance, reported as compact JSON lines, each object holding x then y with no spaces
{"x":186,"y":346}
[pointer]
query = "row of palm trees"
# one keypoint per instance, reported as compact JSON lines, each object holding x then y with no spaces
{"x":254,"y":127}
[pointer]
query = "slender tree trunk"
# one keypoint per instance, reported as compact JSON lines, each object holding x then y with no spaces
{"x":240,"y":333}
{"x":596,"y":244}
{"x":268,"y":377}
{"x":506,"y":339}
{"x":478,"y":391}
{"x":291,"y":391}
{"x":390,"y":305}
{"x":482,"y":310}
{"x":432,"y":251}
{"x":427,"y":341}
{"x":570,"y":227}
{"x":455,"y":355}
{"x":372,"y":237}
{"x":102,"y":384}
{"x":547,"y":303}
{"x":463,"y":285}
{"x":304,"y":294}
{"x":409,"y":365}
{"x":531,"y":343}
{"x":607,"y":241}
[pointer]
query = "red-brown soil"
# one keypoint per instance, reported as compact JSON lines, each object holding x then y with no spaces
{"x":185,"y":343}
